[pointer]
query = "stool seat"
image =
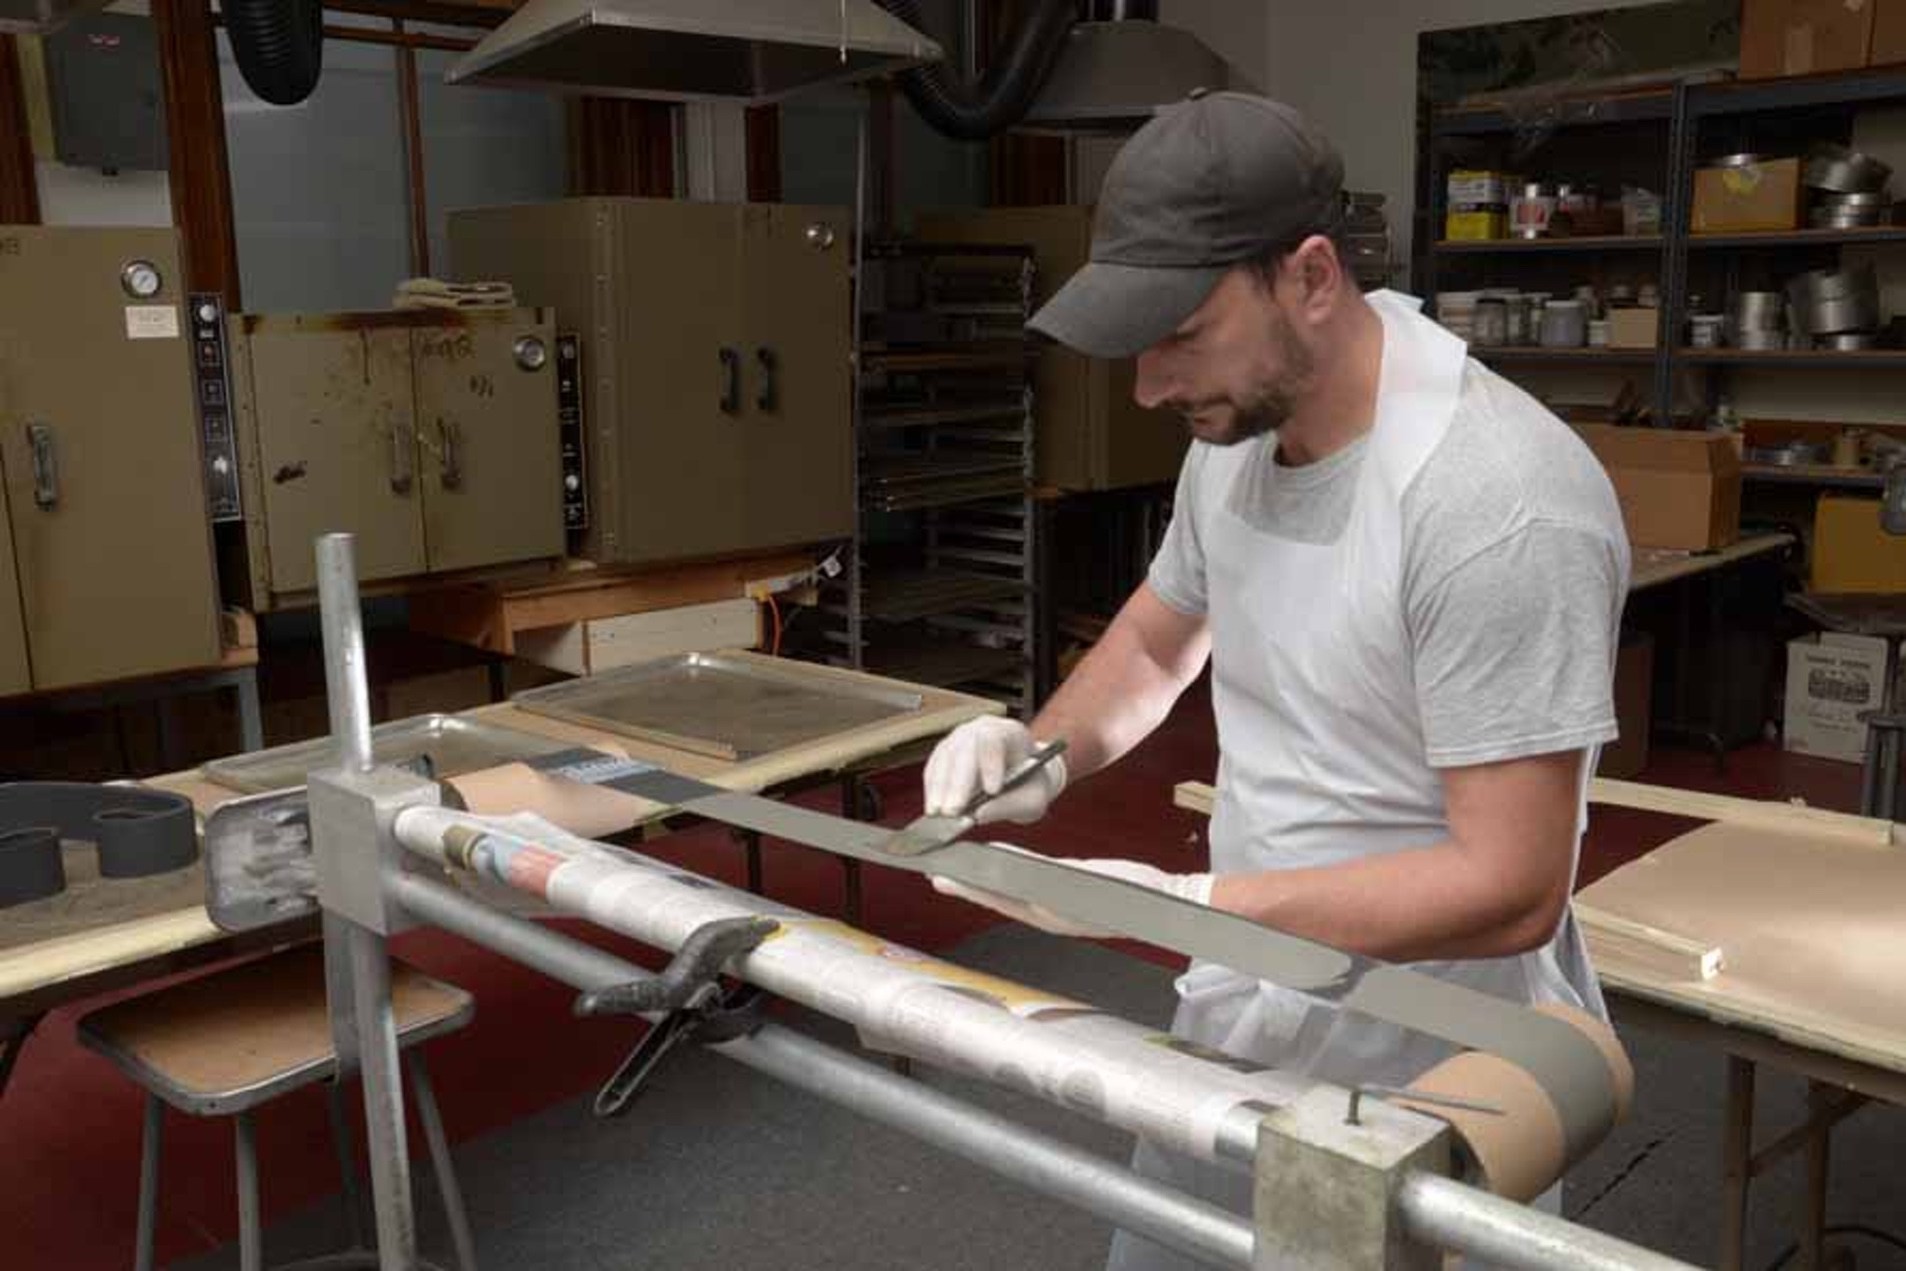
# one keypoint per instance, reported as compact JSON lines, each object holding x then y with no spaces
{"x":228,"y":1041}
{"x":231,"y":1040}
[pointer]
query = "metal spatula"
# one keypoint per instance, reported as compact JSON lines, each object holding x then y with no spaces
{"x":926,"y":833}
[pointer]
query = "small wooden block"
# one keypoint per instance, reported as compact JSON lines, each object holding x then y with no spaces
{"x":1664,"y":953}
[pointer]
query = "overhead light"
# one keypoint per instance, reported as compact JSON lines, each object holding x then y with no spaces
{"x":750,"y":51}
{"x":1115,"y":75}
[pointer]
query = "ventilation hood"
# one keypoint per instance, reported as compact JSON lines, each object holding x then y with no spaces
{"x":1114,"y":75}
{"x":750,"y":51}
{"x":38,"y":17}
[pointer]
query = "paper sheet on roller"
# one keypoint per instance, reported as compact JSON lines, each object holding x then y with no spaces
{"x":1811,"y":928}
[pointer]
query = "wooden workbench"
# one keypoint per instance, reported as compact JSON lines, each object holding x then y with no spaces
{"x":37,"y":976}
{"x":1804,"y":908}
{"x":1654,"y":566}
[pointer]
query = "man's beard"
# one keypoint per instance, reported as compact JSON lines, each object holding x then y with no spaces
{"x":1265,"y":410}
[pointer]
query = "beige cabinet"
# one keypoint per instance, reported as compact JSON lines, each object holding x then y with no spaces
{"x":491,"y":476}
{"x":715,"y":337}
{"x":1091,"y":434}
{"x":108,"y":570}
{"x":431,"y":437}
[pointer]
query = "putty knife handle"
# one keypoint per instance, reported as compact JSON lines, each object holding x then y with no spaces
{"x":1031,"y":767}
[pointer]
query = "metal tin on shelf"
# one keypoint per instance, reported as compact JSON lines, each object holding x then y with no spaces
{"x":1832,"y":284}
{"x":1760,"y":340}
{"x":1564,"y":325}
{"x":1834,"y":167}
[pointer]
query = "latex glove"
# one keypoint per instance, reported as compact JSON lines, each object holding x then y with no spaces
{"x":1193,"y":887}
{"x":977,"y":756}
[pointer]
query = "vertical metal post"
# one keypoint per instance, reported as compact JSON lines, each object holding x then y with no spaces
{"x":856,"y":580}
{"x":149,"y":1184}
{"x":1677,"y":196}
{"x":357,"y":963}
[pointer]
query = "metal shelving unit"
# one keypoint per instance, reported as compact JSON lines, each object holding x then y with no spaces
{"x":1520,"y":246}
{"x":941,"y":586}
{"x":1690,"y":119}
{"x":1567,"y":357}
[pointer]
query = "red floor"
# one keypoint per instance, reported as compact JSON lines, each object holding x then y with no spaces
{"x":70,"y":1123}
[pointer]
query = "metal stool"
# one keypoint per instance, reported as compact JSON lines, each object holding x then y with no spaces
{"x":224,"y":1043}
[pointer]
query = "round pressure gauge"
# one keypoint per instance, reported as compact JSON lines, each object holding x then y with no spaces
{"x":141,"y":279}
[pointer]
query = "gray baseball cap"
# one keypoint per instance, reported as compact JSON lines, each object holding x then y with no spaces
{"x":1214,"y":180}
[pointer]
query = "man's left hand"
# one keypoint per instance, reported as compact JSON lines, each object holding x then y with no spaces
{"x":1192,"y":887}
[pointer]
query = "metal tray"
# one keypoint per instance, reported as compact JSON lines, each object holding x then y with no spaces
{"x":725,"y":707}
{"x":439,"y":745}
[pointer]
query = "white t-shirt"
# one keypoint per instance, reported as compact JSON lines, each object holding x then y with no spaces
{"x":1515,"y":569}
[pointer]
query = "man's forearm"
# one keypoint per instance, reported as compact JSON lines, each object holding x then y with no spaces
{"x":1113,"y":699}
{"x":1429,"y":903}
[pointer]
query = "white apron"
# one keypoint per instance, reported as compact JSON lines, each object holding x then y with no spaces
{"x":1323,"y":756}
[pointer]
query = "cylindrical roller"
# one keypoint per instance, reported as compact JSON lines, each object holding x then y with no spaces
{"x":1518,"y":1149}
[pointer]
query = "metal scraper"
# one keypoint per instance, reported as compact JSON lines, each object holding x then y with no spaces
{"x":927,"y":833}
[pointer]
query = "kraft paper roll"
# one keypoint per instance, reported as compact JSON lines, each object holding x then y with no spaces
{"x":589,"y":811}
{"x":1518,"y":1150}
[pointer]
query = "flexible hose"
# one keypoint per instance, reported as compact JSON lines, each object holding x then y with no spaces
{"x":974,"y":112}
{"x":278,"y":45}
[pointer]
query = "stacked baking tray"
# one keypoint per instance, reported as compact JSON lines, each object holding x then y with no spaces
{"x":940,"y":589}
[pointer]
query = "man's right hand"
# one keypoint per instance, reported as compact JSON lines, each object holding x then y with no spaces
{"x":976,"y":757}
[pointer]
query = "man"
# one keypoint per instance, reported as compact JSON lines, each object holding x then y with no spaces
{"x":1407,"y":576}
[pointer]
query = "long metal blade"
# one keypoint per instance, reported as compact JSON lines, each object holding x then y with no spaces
{"x":1566,"y":1063}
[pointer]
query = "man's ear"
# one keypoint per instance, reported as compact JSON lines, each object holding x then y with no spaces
{"x":1319,"y":274}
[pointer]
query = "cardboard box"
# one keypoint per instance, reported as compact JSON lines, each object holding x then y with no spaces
{"x":1833,"y":679}
{"x":1625,"y":757}
{"x":1633,"y":328}
{"x":1678,"y":490}
{"x":1850,"y":550}
{"x":1760,"y":196}
{"x":1804,"y":37}
{"x":1889,"y":33}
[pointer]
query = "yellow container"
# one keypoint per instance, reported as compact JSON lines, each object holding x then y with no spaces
{"x":1475,"y":226}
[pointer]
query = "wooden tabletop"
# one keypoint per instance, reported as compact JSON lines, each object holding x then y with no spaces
{"x":1804,"y":906}
{"x":73,"y":960}
{"x":1654,"y":566}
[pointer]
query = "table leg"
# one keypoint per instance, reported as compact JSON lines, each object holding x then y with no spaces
{"x":251,"y":720}
{"x":853,"y":905}
{"x":13,"y":1034}
{"x":1717,"y":678}
{"x":855,"y":801}
{"x":750,"y":841}
{"x":1813,"y":1212}
{"x":1737,"y":1148}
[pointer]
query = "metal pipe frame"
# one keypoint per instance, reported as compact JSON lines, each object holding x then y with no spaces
{"x":1046,"y":1165}
{"x":1436,"y":1211}
{"x":357,"y":959}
